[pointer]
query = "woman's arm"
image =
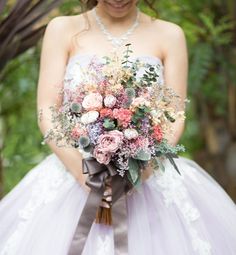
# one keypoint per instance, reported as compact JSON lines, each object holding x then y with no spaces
{"x":176,"y":70}
{"x":53,"y":61}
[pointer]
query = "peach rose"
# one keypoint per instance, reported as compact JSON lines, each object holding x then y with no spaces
{"x":92,"y":101}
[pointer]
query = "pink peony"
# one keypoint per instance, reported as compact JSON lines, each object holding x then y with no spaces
{"x":101,"y":156}
{"x":123,"y":116}
{"x":92,"y":101}
{"x":110,"y":141}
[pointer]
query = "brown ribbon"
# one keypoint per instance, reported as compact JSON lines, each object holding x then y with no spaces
{"x":97,"y":174}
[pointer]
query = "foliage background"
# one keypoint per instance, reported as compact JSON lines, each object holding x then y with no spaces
{"x":210,"y":132}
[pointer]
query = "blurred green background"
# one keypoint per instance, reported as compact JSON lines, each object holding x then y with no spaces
{"x":210,"y":135}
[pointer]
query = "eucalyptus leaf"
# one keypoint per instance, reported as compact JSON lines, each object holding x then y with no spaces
{"x":133,"y":173}
{"x":109,"y":124}
{"x":160,"y":164}
{"x":143,"y":155}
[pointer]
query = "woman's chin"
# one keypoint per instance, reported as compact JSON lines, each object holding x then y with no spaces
{"x":118,"y":10}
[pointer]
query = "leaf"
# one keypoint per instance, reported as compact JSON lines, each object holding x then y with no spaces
{"x":160,"y":164}
{"x":134,"y":173}
{"x":171,"y":157}
{"x":109,"y":124}
{"x":143,"y":155}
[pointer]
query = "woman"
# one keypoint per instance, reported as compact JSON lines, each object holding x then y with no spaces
{"x":168,"y":214}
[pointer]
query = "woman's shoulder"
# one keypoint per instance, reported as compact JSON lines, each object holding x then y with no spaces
{"x":66,"y":22}
{"x":165,"y":29}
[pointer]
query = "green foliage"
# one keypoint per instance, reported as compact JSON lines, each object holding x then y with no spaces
{"x":133,"y":173}
{"x":22,"y":147}
{"x":109,"y":124}
{"x":143,"y":155}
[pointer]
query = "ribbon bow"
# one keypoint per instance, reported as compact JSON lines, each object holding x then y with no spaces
{"x":97,"y":176}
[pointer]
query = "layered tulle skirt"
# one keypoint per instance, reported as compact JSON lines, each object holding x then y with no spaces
{"x":169,"y":214}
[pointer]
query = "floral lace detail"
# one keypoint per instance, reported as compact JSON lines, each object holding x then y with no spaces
{"x":51,"y":178}
{"x":171,"y":185}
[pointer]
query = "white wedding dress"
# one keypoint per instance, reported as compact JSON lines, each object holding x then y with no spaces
{"x":169,"y":214}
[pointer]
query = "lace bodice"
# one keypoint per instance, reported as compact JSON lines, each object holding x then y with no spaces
{"x":79,"y":64}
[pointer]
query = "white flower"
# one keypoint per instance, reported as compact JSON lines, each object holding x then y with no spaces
{"x":156,"y":113}
{"x":130,"y":133}
{"x":109,"y":101}
{"x":89,"y":117}
{"x":138,"y":101}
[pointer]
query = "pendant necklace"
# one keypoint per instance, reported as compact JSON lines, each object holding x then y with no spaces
{"x":117,"y":42}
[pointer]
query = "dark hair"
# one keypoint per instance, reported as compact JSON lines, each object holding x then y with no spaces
{"x":88,"y":4}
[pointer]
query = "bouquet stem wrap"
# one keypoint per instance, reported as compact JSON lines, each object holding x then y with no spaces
{"x":99,"y":176}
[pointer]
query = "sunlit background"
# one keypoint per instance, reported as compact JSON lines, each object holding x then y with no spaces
{"x":210,"y":135}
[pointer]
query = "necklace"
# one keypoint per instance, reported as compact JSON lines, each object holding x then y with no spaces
{"x":116,"y":41}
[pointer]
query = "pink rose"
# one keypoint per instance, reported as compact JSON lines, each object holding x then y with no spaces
{"x":101,"y":156}
{"x":110,"y":141}
{"x":92,"y":101}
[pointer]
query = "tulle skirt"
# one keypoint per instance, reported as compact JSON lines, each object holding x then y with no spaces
{"x":168,"y":214}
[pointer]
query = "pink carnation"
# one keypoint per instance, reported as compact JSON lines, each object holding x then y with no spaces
{"x":157,"y":133}
{"x":123,"y":116}
{"x":110,"y":141}
{"x":106,"y":112}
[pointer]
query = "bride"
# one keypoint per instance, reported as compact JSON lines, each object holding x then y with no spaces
{"x":187,"y":214}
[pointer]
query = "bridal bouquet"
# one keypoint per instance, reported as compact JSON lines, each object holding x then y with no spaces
{"x":120,"y":114}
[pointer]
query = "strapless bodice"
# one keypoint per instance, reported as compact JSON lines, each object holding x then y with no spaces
{"x":79,"y":64}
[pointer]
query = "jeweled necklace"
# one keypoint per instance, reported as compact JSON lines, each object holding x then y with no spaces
{"x":116,"y":41}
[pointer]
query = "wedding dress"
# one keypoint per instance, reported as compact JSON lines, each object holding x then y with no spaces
{"x":169,"y":214}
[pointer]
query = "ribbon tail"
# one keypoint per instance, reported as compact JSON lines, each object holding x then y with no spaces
{"x":119,"y":212}
{"x":85,"y":222}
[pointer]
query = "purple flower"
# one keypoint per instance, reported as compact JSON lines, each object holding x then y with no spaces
{"x":145,"y":125}
{"x":94,"y":131}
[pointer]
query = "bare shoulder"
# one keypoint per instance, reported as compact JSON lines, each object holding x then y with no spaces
{"x":65,"y":25}
{"x":168,"y":30}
